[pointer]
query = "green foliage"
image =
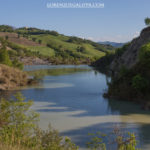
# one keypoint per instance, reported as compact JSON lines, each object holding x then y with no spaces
{"x":74,"y":39}
{"x":6,"y":37}
{"x":54,"y":33}
{"x":139,"y":83}
{"x":33,"y":39}
{"x":144,"y":53}
{"x":121,"y":50}
{"x":18,"y":128}
{"x":17,"y":64}
{"x":97,"y":141}
{"x":39,"y":41}
{"x":18,"y":122}
{"x":35,"y":31}
{"x":147,"y":21}
{"x":81,"y":49}
{"x":123,"y":71}
{"x":18,"y":36}
{"x":6,"y":28}
{"x":122,"y":141}
{"x":4,"y":57}
{"x":70,"y":50}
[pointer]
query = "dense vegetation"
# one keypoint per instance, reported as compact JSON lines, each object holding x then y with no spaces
{"x":51,"y":45}
{"x":129,"y":83}
{"x":134,"y":83}
{"x":5,"y":56}
{"x":19,"y":130}
{"x":147,"y":21}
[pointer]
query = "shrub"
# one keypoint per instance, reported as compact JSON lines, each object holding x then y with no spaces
{"x":147,"y":21}
{"x":139,"y":83}
{"x":18,"y":128}
{"x":4,"y":57}
{"x":122,"y":141}
{"x":123,"y":71}
{"x":39,"y":41}
{"x":81,"y":49}
{"x":54,"y":33}
{"x":6,"y":37}
{"x":144,"y":53}
{"x":33,"y":39}
{"x":6,"y":28}
{"x":121,"y":50}
{"x":17,"y":64}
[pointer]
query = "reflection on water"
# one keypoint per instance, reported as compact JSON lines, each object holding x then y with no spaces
{"x":70,"y":98}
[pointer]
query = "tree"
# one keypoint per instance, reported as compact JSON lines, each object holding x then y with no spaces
{"x":139,"y":83}
{"x":147,"y":21}
{"x":39,"y":41}
{"x":6,"y":37}
{"x":81,"y":49}
{"x":18,"y":36}
{"x":4,"y":57}
{"x":33,"y":39}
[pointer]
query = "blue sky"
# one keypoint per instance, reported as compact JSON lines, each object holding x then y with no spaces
{"x":119,"y":20}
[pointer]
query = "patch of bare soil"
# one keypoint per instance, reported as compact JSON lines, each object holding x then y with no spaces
{"x":13,"y":37}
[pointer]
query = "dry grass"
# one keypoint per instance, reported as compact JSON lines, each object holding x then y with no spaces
{"x":9,"y":147}
{"x":11,"y":78}
{"x":13,"y":37}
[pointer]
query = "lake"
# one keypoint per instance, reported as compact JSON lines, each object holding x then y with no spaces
{"x":71,"y":99}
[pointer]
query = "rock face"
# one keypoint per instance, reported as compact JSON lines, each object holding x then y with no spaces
{"x":11,"y":78}
{"x":130,"y":57}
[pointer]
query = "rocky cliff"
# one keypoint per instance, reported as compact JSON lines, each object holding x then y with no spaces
{"x":130,"y":56}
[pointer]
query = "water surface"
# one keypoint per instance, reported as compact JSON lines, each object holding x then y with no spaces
{"x":70,"y":98}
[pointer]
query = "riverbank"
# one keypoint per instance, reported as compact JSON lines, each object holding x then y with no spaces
{"x":53,"y":61}
{"x":12,"y":78}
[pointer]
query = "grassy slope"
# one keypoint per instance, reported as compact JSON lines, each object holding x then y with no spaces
{"x":61,"y":40}
{"x":53,"y":45}
{"x":91,"y":51}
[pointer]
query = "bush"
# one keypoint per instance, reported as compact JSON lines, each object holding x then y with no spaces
{"x":18,"y":128}
{"x":39,"y":41}
{"x":4,"y":57}
{"x":122,"y":141}
{"x":139,"y":83}
{"x":6,"y":37}
{"x":144,"y":54}
{"x":33,"y":39}
{"x":17,"y":64}
{"x":54,"y":33}
{"x":123,"y":71}
{"x":6,"y":28}
{"x":81,"y":49}
{"x":147,"y":21}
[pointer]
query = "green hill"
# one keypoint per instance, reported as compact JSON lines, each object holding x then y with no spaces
{"x":51,"y":45}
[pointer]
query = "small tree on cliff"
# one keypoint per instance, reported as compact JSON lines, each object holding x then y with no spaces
{"x":147,"y":21}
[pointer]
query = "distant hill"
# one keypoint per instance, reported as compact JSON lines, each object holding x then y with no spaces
{"x":51,"y":45}
{"x":114,"y":44}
